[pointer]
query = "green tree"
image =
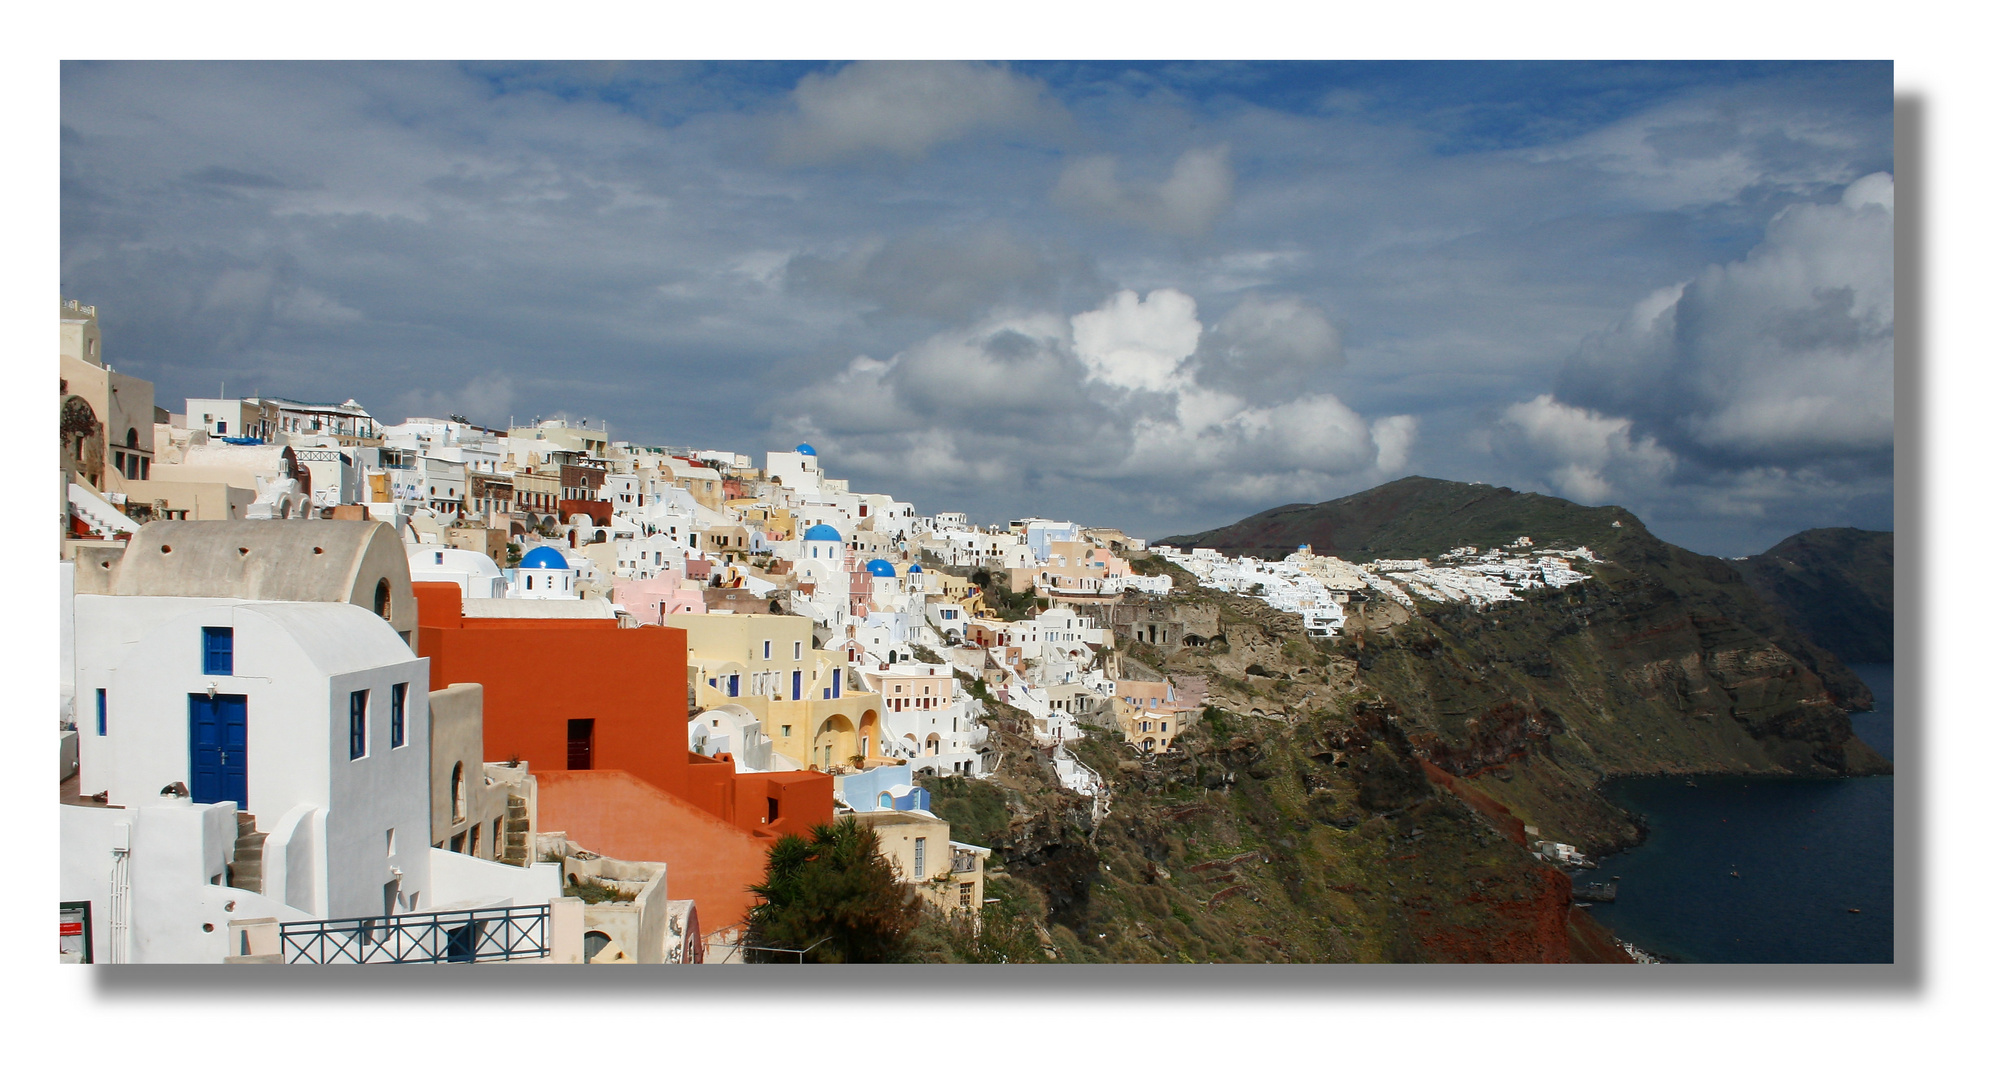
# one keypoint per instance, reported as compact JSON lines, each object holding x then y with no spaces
{"x":835,"y":895}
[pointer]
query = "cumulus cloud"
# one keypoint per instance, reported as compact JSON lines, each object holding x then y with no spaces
{"x":1137,"y":344}
{"x":906,"y":108}
{"x":1781,"y":358}
{"x":1271,"y":346}
{"x":1186,"y":203}
{"x":1098,"y":409}
{"x":1580,"y":454}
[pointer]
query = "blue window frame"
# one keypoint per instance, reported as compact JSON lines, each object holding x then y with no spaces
{"x":359,"y":726}
{"x":217,"y":652}
{"x":398,"y":714}
{"x":101,"y":710}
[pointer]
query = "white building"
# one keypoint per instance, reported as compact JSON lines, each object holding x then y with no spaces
{"x":297,"y":701}
{"x":473,"y":571}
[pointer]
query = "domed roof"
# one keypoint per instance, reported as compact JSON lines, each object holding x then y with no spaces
{"x":880,"y":568}
{"x":806,"y":448}
{"x":915,"y":569}
{"x":823,"y":532}
{"x":544,"y":557}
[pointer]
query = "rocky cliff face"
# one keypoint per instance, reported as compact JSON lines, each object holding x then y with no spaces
{"x":1368,"y":798}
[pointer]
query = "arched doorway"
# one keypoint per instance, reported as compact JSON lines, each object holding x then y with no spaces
{"x":834,"y":742}
{"x":868,"y":733}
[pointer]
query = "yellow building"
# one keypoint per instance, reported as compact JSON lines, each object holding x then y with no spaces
{"x":802,"y":695}
{"x":946,"y":873}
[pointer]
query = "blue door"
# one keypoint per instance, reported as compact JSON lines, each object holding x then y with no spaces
{"x":216,"y":748}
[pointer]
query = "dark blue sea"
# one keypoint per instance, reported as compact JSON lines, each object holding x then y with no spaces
{"x":1805,"y":852}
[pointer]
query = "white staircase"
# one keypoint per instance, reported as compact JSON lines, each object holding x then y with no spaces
{"x":96,"y":511}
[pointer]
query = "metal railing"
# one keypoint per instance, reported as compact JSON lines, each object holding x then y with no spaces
{"x":962,"y":862}
{"x":431,"y":937}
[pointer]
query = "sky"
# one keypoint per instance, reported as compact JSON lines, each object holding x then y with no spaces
{"x":1154,"y":296}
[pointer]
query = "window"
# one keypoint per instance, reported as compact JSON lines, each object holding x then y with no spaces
{"x":222,"y":428}
{"x":799,"y":650}
{"x":767,"y":650}
{"x":384,"y":598}
{"x":398,"y":714}
{"x":965,"y":893}
{"x":460,"y":792}
{"x":217,"y":658}
{"x":920,"y":857}
{"x":359,"y":710}
{"x":785,"y":731}
{"x":101,"y":710}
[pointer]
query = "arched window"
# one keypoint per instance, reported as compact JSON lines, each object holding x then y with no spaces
{"x":460,"y":789}
{"x":384,"y":599}
{"x":132,"y":438}
{"x":596,"y":941}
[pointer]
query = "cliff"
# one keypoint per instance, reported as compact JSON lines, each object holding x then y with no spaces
{"x":1367,"y":798}
{"x":1833,"y":585}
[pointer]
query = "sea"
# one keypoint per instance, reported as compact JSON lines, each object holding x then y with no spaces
{"x":1739,"y":870}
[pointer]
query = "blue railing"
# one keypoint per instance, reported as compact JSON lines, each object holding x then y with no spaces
{"x":430,"y":937}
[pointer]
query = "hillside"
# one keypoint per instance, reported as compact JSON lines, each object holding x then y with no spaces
{"x":1365,"y":798}
{"x":1416,"y":517}
{"x":1834,"y":585}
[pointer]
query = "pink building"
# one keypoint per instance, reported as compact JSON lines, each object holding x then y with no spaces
{"x":649,"y":599}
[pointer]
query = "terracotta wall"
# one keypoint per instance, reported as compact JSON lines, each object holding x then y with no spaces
{"x":539,"y":673}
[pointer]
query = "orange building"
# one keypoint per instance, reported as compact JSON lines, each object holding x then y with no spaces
{"x":599,"y":714}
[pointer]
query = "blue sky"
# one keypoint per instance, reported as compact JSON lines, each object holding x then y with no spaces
{"x":1155,"y":296}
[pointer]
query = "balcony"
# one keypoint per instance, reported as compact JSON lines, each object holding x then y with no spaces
{"x":433,"y":937}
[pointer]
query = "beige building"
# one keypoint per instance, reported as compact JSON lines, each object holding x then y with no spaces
{"x":487,"y":811}
{"x":1150,"y":714}
{"x":107,"y":416}
{"x":704,"y":484}
{"x":557,"y":435}
{"x":946,"y":873}
{"x":770,"y":666}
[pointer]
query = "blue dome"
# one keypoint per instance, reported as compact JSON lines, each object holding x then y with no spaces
{"x":806,"y":448}
{"x":915,"y":569}
{"x":880,"y":568}
{"x":544,"y":558}
{"x":823,"y":532}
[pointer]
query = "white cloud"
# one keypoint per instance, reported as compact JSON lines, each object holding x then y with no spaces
{"x":1781,"y":357}
{"x":906,"y":108}
{"x":1186,"y":203}
{"x":1139,"y":345}
{"x":1579,"y":453}
{"x":1100,"y":404}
